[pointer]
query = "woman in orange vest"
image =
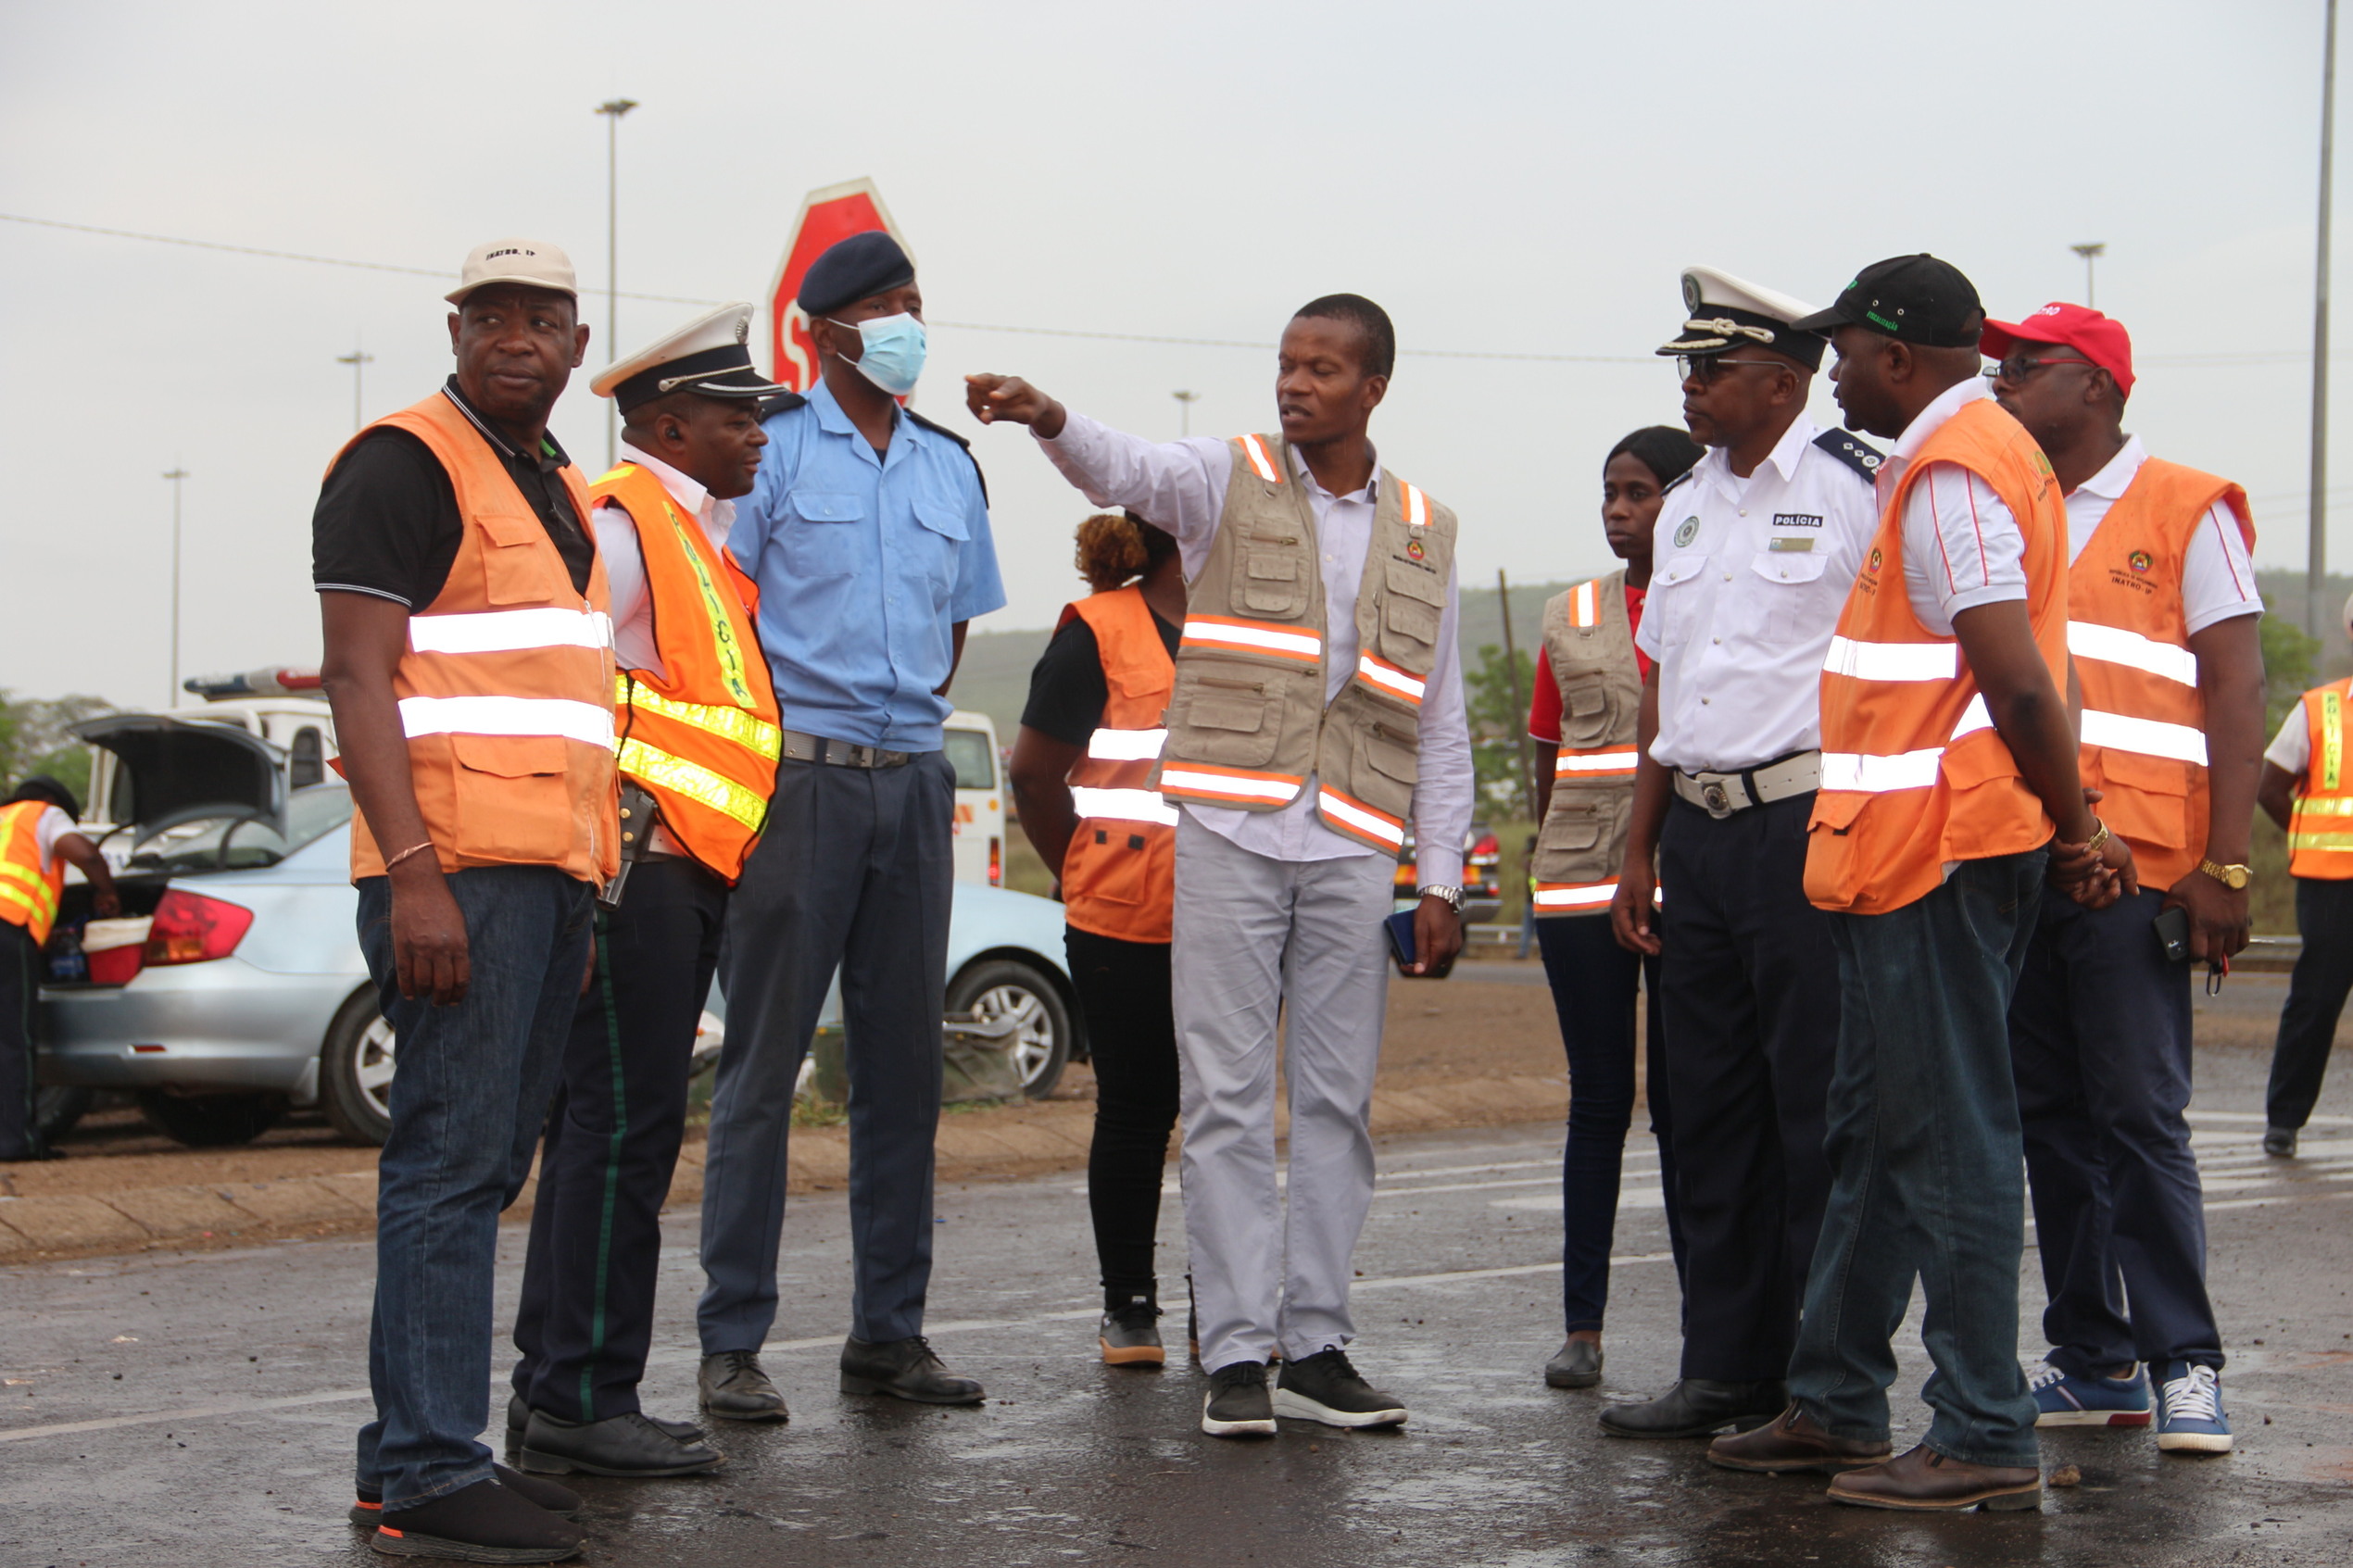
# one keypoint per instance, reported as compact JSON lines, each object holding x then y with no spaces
{"x":1081,"y":771}
{"x":37,"y":839}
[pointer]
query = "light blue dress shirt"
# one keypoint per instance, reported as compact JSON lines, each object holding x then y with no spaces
{"x":864,"y":564}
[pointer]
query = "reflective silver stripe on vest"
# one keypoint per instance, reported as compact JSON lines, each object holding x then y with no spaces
{"x":1125,"y":746}
{"x":509,"y":630}
{"x":583,"y":721}
{"x":2113,"y":645}
{"x":1574,"y":895}
{"x":1122,"y":805}
{"x":1570,"y":763}
{"x":2151,"y":737}
{"x":1893,"y":661}
{"x":1860,"y":773}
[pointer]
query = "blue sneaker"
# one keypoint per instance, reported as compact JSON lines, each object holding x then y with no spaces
{"x":2063,"y":1399}
{"x":2189,"y":1411}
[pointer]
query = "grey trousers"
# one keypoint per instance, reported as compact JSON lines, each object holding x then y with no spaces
{"x":854,"y":869}
{"x":1259,"y":940}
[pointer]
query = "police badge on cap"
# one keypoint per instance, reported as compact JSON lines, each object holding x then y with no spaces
{"x":1726,"y":312}
{"x":708,"y":355}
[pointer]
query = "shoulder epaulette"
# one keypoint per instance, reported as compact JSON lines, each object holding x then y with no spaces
{"x":937,"y":429}
{"x":1855,"y":452}
{"x":1674,"y":481}
{"x":784,"y":402}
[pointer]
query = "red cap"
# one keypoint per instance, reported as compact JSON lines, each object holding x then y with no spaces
{"x":2103,"y":342}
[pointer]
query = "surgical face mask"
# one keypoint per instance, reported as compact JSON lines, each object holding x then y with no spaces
{"x":893,"y":354}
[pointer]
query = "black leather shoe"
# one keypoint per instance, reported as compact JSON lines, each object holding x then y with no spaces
{"x":367,"y":1510}
{"x":734,"y":1388}
{"x":904,"y":1368}
{"x":1698,"y":1407}
{"x":627,"y":1445}
{"x":1579,"y":1365}
{"x":519,"y":1417}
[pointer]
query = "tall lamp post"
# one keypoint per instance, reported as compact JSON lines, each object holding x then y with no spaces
{"x":613,"y":110}
{"x":2090,"y":252}
{"x":355,"y":359}
{"x":2316,"y":525}
{"x":176,"y":474}
{"x":1185,"y":401}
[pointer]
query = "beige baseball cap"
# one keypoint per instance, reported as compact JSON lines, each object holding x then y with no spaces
{"x":535,"y":262}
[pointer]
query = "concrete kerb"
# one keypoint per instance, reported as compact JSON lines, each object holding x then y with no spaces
{"x":1000,"y":1143}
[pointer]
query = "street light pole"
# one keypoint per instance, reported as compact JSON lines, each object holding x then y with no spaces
{"x":613,"y":110}
{"x":176,"y":474}
{"x":2090,"y":253}
{"x":2316,"y":523}
{"x":1185,"y":401}
{"x":355,"y":359}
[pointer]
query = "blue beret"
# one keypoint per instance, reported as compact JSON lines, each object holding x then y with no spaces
{"x":861,"y":264}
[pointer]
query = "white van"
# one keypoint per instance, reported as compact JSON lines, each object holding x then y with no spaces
{"x":980,"y":797}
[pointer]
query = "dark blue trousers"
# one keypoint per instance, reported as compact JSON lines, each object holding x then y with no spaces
{"x":2316,"y":994}
{"x":1594,"y":982}
{"x":2100,"y":1048}
{"x":586,"y":1319}
{"x":19,"y":1083}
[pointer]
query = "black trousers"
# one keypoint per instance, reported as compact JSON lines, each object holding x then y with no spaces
{"x":2316,"y":995}
{"x":20,"y":993}
{"x":1749,"y":982}
{"x":585,"y":1320}
{"x":1131,"y":1029}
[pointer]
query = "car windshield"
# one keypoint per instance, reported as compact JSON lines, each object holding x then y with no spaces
{"x":233,"y":842}
{"x":970,"y":755}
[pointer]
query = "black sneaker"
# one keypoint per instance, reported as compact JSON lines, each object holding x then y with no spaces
{"x":367,"y":1509}
{"x":1236,"y":1405}
{"x":1325,"y":1388}
{"x":484,"y":1522}
{"x":2280,"y":1141}
{"x":1131,"y":1335}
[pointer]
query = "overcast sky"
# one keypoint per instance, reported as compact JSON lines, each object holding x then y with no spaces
{"x":1504,"y":178}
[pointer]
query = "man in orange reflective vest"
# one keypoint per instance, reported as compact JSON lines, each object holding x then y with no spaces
{"x":37,"y":841}
{"x":699,"y":745}
{"x":2161,"y":617}
{"x":2308,"y":789}
{"x":1948,"y":762}
{"x":469,"y":658}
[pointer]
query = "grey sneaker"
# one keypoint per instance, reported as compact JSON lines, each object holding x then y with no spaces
{"x":1579,"y":1365}
{"x":2280,"y":1141}
{"x":734,"y":1388}
{"x":1325,"y":1387}
{"x":1236,"y":1405}
{"x":1131,"y":1335}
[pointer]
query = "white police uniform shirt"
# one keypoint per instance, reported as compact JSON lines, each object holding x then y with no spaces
{"x":1748,"y":581}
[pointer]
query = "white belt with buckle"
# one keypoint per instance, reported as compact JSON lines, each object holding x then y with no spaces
{"x":1720,"y":794}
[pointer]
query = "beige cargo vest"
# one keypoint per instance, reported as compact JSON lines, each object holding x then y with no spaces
{"x":1247,"y":721}
{"x":1589,"y":646}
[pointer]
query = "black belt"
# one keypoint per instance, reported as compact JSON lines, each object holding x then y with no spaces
{"x":799,"y":748}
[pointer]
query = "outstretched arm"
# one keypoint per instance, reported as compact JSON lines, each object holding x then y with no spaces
{"x":1177,"y":486}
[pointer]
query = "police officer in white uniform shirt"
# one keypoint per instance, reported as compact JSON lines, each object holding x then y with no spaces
{"x":1756,"y":548}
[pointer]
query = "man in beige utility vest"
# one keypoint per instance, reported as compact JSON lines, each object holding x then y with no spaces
{"x":1317,"y":709}
{"x":469,"y":658}
{"x":2161,"y":618}
{"x":699,"y":746}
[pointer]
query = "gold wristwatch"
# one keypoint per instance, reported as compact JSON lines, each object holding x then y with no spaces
{"x":2235,"y":878}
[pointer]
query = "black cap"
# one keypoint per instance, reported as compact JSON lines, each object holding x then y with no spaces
{"x":861,"y":264}
{"x":1910,"y":298}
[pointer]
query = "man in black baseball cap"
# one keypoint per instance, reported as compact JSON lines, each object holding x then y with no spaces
{"x":1914,"y":299}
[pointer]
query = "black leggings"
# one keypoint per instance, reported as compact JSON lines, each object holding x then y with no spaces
{"x":19,"y":1093}
{"x":1131,"y":1029}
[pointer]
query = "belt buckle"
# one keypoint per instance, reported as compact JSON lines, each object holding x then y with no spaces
{"x":1717,"y":798}
{"x":861,"y":757}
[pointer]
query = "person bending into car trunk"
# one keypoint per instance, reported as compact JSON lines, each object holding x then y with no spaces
{"x":1316,"y":704}
{"x":698,"y":742}
{"x":37,"y":842}
{"x":469,"y":663}
{"x":1081,"y":775}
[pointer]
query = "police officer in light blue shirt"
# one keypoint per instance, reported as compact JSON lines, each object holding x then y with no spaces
{"x":867,"y":534}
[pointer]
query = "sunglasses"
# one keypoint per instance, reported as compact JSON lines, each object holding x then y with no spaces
{"x":1707,"y":368}
{"x":2018,"y":367}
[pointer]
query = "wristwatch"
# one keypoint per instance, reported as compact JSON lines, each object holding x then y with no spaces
{"x":2235,"y":878}
{"x":1453,"y":896}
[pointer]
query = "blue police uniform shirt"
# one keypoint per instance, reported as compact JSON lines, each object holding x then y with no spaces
{"x":865,"y":563}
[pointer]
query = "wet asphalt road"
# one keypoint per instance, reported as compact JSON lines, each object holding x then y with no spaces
{"x":198,"y":1408}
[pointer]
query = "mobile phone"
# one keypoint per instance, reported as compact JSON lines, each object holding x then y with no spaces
{"x":1400,"y":927}
{"x":2173,"y":927}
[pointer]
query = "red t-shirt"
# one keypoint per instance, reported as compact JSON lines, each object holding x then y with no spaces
{"x":1544,"y":708}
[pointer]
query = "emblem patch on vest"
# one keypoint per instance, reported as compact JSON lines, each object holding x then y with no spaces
{"x":2139,"y":561}
{"x":1873,"y":565}
{"x":1686,"y":530}
{"x":1413,"y":548}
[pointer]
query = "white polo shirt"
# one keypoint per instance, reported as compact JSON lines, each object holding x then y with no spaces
{"x":1749,"y":579}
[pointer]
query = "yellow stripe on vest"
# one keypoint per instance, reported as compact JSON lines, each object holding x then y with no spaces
{"x":723,"y":634}
{"x":754,"y":735}
{"x":693,"y":781}
{"x":2332,"y":742}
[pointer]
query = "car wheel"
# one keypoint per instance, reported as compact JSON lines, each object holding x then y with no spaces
{"x":354,"y":1072}
{"x":58,"y":1107}
{"x":1002,"y":988}
{"x":210,"y":1121}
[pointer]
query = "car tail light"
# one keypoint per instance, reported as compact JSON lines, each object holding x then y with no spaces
{"x":995,"y":861}
{"x":1485,"y":851}
{"x":191,"y":928}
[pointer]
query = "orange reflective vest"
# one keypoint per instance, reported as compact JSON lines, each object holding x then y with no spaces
{"x":1914,"y":774}
{"x":2319,"y":827}
{"x":1119,"y":876}
{"x":2144,"y":725}
{"x":506,"y":688}
{"x":702,"y":735}
{"x":28,"y":894}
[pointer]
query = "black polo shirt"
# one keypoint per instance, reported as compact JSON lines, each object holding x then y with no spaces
{"x":1067,"y":691}
{"x":387,"y":522}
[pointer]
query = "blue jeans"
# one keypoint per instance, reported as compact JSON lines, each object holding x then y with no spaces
{"x":1927,"y":1169}
{"x":468,"y":1105}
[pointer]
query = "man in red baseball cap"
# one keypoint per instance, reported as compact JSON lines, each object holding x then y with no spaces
{"x":2162,"y":612}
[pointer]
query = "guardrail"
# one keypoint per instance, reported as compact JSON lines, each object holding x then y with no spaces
{"x":2264,"y":955}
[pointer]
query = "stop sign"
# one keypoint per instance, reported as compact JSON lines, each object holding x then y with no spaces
{"x":827,"y":217}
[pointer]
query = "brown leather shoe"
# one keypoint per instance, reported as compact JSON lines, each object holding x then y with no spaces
{"x":1791,"y":1442}
{"x":1926,"y":1480}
